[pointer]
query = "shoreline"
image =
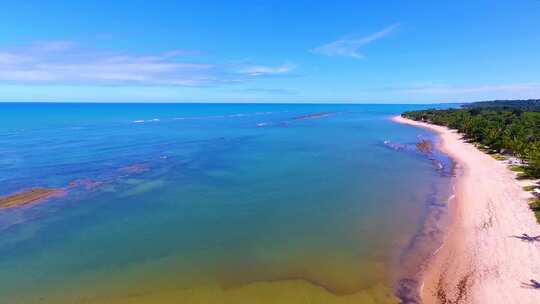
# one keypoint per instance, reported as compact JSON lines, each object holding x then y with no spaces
{"x":481,"y":260}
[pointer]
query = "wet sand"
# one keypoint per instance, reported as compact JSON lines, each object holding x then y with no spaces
{"x":481,"y":259}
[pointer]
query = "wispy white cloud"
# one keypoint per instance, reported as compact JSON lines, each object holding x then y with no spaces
{"x":64,"y":62}
{"x":269,"y":91}
{"x":53,"y":46}
{"x":7,"y":58}
{"x":351,"y":47}
{"x":261,"y":70}
{"x":452,"y":89}
{"x":440,"y":92}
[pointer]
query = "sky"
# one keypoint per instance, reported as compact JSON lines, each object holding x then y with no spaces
{"x":269,"y":51}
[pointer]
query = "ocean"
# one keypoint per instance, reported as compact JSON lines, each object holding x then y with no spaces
{"x":216,"y":203}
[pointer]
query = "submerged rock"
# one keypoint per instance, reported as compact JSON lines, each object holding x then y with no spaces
{"x":134,"y":169}
{"x":144,"y":186}
{"x":394,"y":146}
{"x":425,"y":146}
{"x":81,"y":185}
{"x":313,"y":115}
{"x":87,"y":184}
{"x":28,"y":196}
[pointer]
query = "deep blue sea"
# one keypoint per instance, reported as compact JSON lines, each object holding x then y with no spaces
{"x":214,"y":203}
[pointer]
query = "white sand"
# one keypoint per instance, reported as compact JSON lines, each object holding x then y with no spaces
{"x":480,"y":262}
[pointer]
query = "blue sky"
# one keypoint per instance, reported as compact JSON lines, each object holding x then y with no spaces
{"x":269,"y":51}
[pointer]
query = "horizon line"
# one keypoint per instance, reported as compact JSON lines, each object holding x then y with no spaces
{"x":230,"y":102}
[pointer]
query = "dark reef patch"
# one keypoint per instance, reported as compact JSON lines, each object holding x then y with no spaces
{"x":29,"y":196}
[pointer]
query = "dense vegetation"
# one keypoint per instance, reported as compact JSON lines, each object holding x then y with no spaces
{"x":499,"y":127}
{"x":529,"y":105}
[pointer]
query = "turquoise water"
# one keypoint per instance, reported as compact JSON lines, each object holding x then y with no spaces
{"x":209,"y":203}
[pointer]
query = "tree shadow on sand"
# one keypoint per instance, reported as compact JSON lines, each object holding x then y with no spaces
{"x":533,"y":284}
{"x":527,"y":238}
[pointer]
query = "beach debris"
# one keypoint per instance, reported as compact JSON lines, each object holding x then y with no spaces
{"x":460,"y":293}
{"x":513,"y":161}
{"x":532,"y":284}
{"x":29,"y":196}
{"x":527,"y":238}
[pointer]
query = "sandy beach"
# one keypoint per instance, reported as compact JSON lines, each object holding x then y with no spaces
{"x":481,"y":260}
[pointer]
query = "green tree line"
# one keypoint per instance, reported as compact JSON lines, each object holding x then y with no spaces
{"x":506,"y":129}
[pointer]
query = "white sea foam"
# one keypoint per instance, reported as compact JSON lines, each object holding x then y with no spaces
{"x":149,"y":120}
{"x":438,"y":249}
